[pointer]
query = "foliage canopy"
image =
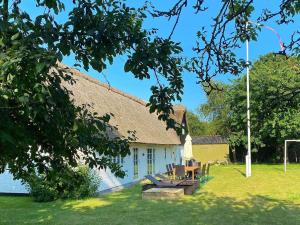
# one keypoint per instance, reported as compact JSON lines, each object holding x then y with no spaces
{"x":42,"y":129}
{"x":275,"y":107}
{"x":40,"y":126}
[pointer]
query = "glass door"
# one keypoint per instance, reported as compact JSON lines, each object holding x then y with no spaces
{"x":150,"y":161}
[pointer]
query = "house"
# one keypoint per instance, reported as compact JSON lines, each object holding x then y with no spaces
{"x":210,"y":148}
{"x":153,"y":148}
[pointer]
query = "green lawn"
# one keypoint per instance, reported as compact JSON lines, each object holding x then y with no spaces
{"x":268,"y":197}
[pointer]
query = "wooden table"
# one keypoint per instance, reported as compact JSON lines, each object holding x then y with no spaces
{"x":191,"y":169}
{"x":187,"y":169}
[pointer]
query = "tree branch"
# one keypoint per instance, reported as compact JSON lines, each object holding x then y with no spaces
{"x":5,"y":12}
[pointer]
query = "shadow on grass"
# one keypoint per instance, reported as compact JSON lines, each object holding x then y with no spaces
{"x":203,"y":181}
{"x":240,"y":171}
{"x":127,"y":207}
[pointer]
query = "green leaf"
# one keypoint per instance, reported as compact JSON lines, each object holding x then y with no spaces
{"x":39,"y":67}
{"x":15,"y":36}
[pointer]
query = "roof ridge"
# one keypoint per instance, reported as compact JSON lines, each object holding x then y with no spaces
{"x":98,"y":82}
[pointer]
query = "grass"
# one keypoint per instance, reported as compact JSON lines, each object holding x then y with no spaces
{"x":268,"y":197}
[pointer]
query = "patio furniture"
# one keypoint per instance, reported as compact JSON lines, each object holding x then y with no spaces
{"x":199,"y":165}
{"x":169,"y":170}
{"x":203,"y":171}
{"x":195,"y":163}
{"x":168,"y":183}
{"x":162,"y":177}
{"x":191,"y":169}
{"x":185,"y":162}
{"x":192,"y":162}
{"x":207,"y":171}
{"x":198,"y":171}
{"x":189,"y":186}
{"x":185,"y":181}
{"x":180,"y":171}
{"x":173,"y":172}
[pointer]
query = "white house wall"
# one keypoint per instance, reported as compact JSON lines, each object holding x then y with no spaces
{"x":108,"y":180}
{"x":9,"y":185}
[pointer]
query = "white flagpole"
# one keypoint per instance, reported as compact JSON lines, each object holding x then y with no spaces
{"x":282,"y":48}
{"x":248,"y":159}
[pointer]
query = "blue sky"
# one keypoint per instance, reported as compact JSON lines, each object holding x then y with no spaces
{"x":185,"y":33}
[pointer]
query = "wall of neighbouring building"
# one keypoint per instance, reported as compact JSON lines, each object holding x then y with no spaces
{"x":210,"y":152}
{"x":164,"y":154}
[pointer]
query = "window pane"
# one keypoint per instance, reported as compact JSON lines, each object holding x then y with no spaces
{"x":149,"y":161}
{"x":153,"y":161}
{"x":135,"y":163}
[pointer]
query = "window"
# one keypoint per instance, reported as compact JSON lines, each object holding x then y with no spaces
{"x":118,"y":159}
{"x":153,"y":161}
{"x":150,"y":161}
{"x":135,"y":163}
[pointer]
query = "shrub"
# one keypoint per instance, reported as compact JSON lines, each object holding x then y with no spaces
{"x":68,"y":183}
{"x":41,"y":191}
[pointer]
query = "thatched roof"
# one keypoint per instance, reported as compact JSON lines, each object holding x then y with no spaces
{"x":179,"y":113}
{"x":215,"y":139}
{"x":130,"y":113}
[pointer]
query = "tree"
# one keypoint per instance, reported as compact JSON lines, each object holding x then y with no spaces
{"x":40,"y":126}
{"x":41,"y":129}
{"x":216,"y":109}
{"x":196,"y":127}
{"x":275,"y":106}
{"x":275,"y":98}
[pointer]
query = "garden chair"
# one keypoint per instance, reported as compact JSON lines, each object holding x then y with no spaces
{"x":162,"y":183}
{"x":198,"y":171}
{"x":188,"y":186}
{"x":180,"y":172}
{"x":186,"y":162}
{"x":169,"y":170}
{"x":203,"y":172}
{"x":162,"y":177}
{"x":194,"y":162}
{"x":207,"y":171}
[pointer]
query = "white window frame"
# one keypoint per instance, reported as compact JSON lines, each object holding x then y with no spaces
{"x":118,"y":160}
{"x":135,"y":163}
{"x":150,"y":161}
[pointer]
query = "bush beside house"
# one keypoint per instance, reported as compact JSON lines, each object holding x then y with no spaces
{"x":68,"y":183}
